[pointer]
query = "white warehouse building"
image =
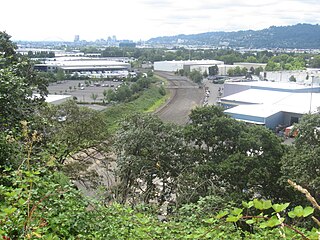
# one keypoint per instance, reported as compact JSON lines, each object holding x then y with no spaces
{"x":189,"y":65}
{"x":201,"y":65}
{"x":270,"y":103}
{"x":71,"y":65}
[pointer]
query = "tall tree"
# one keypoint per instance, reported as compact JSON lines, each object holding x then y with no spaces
{"x":302,"y":163}
{"x":196,"y":76}
{"x":233,"y":155}
{"x":150,"y":158}
{"x":213,"y":70}
{"x":18,"y":84}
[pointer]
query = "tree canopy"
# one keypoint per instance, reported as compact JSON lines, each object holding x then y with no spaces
{"x":18,"y":85}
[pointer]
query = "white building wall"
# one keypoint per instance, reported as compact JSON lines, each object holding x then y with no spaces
{"x":223,"y":69}
{"x":172,"y":66}
{"x":300,"y":75}
{"x":168,"y":66}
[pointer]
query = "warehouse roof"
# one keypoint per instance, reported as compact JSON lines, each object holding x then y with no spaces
{"x":257,"y":110}
{"x":263,"y":103}
{"x":192,"y":62}
{"x":256,"y":96}
{"x":274,"y":85}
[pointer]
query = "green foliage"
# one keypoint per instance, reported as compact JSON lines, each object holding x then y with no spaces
{"x":18,"y":82}
{"x":258,"y":70}
{"x":301,"y":163}
{"x":237,"y":71}
{"x":162,"y":91}
{"x":285,"y":62}
{"x":315,"y":62}
{"x":67,"y":128}
{"x":93,"y":96}
{"x":60,"y":75}
{"x":308,"y":132}
{"x":196,"y":76}
{"x":239,"y":158}
{"x":213,"y":70}
{"x":153,"y":153}
{"x":258,"y":215}
{"x":115,"y":114}
{"x":283,"y":37}
{"x":292,"y":79}
{"x":125,"y":92}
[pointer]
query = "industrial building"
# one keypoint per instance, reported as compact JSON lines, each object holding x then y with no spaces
{"x":270,"y":104}
{"x":85,"y":66}
{"x":202,"y":66}
{"x":301,"y":76}
{"x":236,"y":87}
{"x":189,"y":65}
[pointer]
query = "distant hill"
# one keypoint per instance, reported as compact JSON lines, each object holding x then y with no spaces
{"x":301,"y":36}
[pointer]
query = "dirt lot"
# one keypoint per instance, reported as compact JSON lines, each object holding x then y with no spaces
{"x":71,"y":87}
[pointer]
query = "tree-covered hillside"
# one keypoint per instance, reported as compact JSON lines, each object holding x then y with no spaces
{"x":301,"y":36}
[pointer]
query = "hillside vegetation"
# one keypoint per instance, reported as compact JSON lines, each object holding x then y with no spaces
{"x":215,"y":178}
{"x":301,"y":36}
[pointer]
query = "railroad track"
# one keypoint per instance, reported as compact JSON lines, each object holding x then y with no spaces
{"x":185,"y":95}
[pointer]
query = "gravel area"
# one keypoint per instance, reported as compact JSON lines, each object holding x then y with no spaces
{"x":186,"y":95}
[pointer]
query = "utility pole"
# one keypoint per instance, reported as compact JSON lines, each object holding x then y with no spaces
{"x":312,"y":76}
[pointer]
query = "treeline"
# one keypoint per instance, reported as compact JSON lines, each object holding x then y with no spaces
{"x":275,"y":61}
{"x":299,"y":36}
{"x":213,"y":155}
{"x":128,"y":91}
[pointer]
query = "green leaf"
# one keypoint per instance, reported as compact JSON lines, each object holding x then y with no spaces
{"x":307,"y":211}
{"x":291,"y":214}
{"x":250,"y":221}
{"x":263,"y":225}
{"x":298,"y":211}
{"x":236,"y":211}
{"x":9,"y":210}
{"x":221,"y":214}
{"x":247,"y":204}
{"x":313,"y":234}
{"x":233,"y":218}
{"x":280,"y":207}
{"x":274,"y":221}
{"x":209,"y":220}
{"x":262,"y":205}
{"x":21,"y":201}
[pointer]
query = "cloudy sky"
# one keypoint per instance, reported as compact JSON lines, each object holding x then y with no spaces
{"x":143,"y":19}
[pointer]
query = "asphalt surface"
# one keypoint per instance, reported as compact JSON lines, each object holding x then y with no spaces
{"x":215,"y":92}
{"x":186,"y":95}
{"x":71,"y":87}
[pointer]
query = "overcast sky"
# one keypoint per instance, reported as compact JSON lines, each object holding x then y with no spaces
{"x":143,"y":19}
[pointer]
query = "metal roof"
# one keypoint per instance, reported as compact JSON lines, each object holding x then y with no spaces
{"x":264,"y":103}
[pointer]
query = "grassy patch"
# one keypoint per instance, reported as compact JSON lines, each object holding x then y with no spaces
{"x":149,"y":100}
{"x":158,"y":103}
{"x":162,"y":79}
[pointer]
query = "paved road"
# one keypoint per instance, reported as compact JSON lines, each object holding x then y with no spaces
{"x":215,"y":94}
{"x":185,"y":96}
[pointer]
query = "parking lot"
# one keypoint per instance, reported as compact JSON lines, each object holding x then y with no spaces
{"x":83,"y":92}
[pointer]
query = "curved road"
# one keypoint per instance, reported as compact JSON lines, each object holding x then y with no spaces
{"x":186,"y":95}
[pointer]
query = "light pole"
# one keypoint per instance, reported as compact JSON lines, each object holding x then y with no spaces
{"x":311,"y":94}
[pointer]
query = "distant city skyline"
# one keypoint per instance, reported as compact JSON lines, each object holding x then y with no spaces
{"x":37,"y":20}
